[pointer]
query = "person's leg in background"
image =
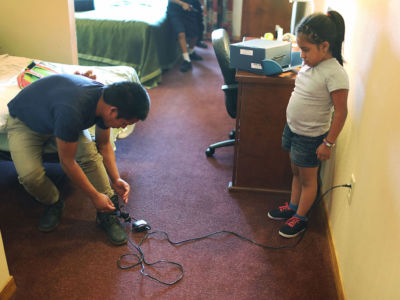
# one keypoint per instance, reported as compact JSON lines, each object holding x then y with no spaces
{"x":175,"y":16}
{"x":200,"y":19}
{"x":186,"y":64}
{"x":192,"y":30}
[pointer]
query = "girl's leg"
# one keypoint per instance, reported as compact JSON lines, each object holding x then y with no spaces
{"x":309,"y":185}
{"x":286,"y":211}
{"x":296,"y":186}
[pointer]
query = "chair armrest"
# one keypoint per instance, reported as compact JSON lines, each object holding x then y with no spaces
{"x":227,"y":87}
{"x":230,"y":91}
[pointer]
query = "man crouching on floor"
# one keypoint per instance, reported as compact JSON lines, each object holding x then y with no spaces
{"x":62,"y":107}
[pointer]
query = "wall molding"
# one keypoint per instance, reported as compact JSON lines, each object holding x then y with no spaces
{"x":9,"y":289}
{"x":333,"y":255}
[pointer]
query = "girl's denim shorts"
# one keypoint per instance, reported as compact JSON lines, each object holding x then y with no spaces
{"x":302,"y":148}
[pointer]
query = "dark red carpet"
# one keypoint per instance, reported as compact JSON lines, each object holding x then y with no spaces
{"x":176,"y":189}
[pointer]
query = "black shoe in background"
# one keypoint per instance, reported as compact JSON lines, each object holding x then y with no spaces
{"x":195,"y":56}
{"x":51,"y":216}
{"x":201,"y":44}
{"x":186,"y":66}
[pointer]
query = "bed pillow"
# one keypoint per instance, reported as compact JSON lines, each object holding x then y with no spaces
{"x":10,"y":67}
{"x":8,"y":90}
{"x":33,"y":72}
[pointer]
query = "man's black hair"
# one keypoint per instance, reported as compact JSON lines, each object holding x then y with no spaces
{"x":130,"y":98}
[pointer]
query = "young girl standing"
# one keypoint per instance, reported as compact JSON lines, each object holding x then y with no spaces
{"x":320,"y":92}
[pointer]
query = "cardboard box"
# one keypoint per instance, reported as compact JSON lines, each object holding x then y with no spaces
{"x":248,"y":55}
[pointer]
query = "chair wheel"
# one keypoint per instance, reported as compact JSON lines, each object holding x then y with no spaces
{"x":232,"y":134}
{"x":210,"y":152}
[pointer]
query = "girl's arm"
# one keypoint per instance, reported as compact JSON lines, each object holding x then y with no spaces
{"x":339,"y":99}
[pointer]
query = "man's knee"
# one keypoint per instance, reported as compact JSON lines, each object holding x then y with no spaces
{"x":87,"y":151}
{"x":39,"y":186}
{"x":33,"y":178}
{"x":90,"y":159}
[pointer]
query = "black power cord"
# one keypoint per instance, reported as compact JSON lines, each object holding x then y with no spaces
{"x":140,"y":258}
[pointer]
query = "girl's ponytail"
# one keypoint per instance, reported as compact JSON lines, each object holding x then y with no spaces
{"x":336,"y":46}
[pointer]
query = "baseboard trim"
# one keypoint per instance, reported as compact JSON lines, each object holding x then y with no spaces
{"x":333,"y":255}
{"x":232,"y":188}
{"x":9,"y":289}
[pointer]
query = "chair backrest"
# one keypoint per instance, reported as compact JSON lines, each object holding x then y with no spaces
{"x":220,"y":42}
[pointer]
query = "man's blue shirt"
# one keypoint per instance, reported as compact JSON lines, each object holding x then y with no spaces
{"x":61,"y":104}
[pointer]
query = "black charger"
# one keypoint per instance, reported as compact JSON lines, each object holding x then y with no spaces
{"x":140,"y":226}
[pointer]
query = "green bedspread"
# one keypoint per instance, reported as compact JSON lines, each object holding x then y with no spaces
{"x":134,"y":33}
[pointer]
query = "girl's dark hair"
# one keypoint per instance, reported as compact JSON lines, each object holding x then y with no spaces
{"x":131,"y":99}
{"x":318,"y":28}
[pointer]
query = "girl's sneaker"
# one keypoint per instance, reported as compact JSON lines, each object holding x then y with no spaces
{"x":281,"y":213}
{"x":293,"y":227}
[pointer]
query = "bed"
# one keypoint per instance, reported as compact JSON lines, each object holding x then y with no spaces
{"x":11,"y":66}
{"x":134,"y":33}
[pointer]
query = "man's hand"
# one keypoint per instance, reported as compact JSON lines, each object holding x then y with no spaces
{"x":122,"y":188}
{"x":103,"y":204}
{"x":88,"y":74}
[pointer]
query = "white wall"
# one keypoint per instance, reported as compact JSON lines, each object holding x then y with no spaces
{"x":366,"y":230}
{"x":237,"y":18}
{"x":4,"y":273}
{"x":42,"y":29}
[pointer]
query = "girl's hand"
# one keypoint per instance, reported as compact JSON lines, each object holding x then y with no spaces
{"x":186,"y":6}
{"x":324,"y":152}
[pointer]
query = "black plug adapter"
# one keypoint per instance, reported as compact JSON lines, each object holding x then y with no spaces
{"x":140,"y":226}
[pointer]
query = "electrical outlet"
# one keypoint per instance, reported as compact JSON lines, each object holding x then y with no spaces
{"x":351,"y":190}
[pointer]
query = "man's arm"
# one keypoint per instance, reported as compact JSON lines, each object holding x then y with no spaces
{"x":103,"y":143}
{"x":66,"y":153}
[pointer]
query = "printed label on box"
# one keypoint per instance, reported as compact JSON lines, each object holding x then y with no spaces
{"x":246,"y":52}
{"x":256,"y":66}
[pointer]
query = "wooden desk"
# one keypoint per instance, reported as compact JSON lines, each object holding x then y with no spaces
{"x":260,"y":163}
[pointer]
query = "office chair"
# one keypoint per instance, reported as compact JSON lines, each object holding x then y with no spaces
{"x":220,"y":42}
